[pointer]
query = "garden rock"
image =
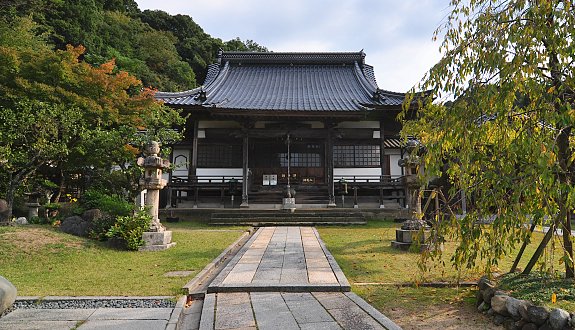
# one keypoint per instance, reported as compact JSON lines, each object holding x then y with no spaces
{"x":3,"y":210}
{"x":530,"y":326}
{"x":75,"y":225}
{"x":21,"y":221}
{"x":558,"y":318}
{"x":483,"y":307}
{"x":485,"y":283}
{"x":523,"y":306}
{"x":537,"y":314}
{"x":512,"y":306}
{"x":92,"y":215}
{"x":498,"y":303}
{"x":499,"y":319}
{"x":8,"y":294}
{"x":488,"y":293}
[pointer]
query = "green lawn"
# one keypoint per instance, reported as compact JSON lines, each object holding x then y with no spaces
{"x":375,"y":269}
{"x":42,"y":261}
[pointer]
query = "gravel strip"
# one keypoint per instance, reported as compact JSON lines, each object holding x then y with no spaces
{"x":90,"y":303}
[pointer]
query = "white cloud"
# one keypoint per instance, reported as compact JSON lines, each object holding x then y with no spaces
{"x":395,"y":35}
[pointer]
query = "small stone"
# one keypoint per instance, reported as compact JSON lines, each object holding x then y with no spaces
{"x":512,"y":306}
{"x":485,"y":283}
{"x":498,"y":303}
{"x":8,"y":294}
{"x":21,"y":221}
{"x":530,"y":326}
{"x":483,"y":307}
{"x":538,"y":314}
{"x":478,"y":298}
{"x":509,"y":324}
{"x":490,"y":312}
{"x":558,"y":318}
{"x":499,"y":319}
{"x":545,"y":326}
{"x":488,"y":294}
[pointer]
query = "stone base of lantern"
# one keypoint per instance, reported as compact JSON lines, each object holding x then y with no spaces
{"x":157,"y":241}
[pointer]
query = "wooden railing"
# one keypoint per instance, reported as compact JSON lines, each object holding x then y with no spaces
{"x":205,"y":179}
{"x":354,"y":179}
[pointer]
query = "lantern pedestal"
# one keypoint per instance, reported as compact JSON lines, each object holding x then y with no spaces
{"x":157,"y":241}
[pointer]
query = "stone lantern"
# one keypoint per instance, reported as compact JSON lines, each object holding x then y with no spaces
{"x":414,"y":228}
{"x":157,"y":237}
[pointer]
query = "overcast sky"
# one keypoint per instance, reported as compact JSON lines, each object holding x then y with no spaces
{"x":396,"y":35}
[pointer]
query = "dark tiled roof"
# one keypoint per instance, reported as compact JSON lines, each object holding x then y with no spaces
{"x":288,"y":81}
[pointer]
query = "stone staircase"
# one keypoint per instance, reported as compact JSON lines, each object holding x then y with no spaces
{"x":280,"y":217}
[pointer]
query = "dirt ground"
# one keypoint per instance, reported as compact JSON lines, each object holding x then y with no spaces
{"x":444,"y":317}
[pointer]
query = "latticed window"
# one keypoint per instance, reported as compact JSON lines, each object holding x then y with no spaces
{"x":300,"y":159}
{"x":356,"y":156}
{"x":219,"y":155}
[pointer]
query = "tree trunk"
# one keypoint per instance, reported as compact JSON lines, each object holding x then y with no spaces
{"x":61,"y":188}
{"x":569,"y":271}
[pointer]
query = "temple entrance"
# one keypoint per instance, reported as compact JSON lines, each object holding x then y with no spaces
{"x":269,"y":162}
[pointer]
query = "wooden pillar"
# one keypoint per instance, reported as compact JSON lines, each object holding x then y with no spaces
{"x":329,"y":161}
{"x":245,"y":174}
{"x":355,"y":205}
{"x":192,"y":172}
{"x":193,"y":168}
{"x":382,"y":162}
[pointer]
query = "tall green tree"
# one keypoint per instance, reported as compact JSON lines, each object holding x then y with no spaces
{"x":507,"y":137}
{"x":61,"y":114}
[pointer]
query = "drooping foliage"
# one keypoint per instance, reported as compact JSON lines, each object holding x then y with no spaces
{"x":506,"y":139}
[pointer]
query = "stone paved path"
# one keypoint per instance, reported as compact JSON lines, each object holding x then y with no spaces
{"x":282,"y":259}
{"x":285,"y":278}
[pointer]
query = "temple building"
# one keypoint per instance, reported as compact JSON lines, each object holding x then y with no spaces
{"x":316,"y":122}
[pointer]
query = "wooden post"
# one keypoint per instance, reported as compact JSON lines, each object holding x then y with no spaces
{"x":192,"y":172}
{"x":222,"y":196}
{"x":329,"y":161}
{"x":245,"y":174}
{"x":196,"y":192}
{"x":355,"y":205}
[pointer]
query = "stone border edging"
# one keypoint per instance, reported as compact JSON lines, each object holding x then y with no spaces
{"x":377,"y":315}
{"x":198,"y":280}
{"x":341,"y":279}
{"x":177,"y":313}
{"x":224,"y":272}
{"x":519,"y":314}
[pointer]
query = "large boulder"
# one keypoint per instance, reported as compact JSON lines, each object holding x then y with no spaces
{"x":92,"y":215}
{"x":558,"y":318}
{"x":512,"y":306}
{"x":8,"y":294}
{"x":498,"y":303}
{"x":538,"y":314}
{"x":75,"y":225}
{"x":21,"y":221}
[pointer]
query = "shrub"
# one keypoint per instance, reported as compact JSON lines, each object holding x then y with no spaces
{"x":131,"y":228}
{"x":99,"y":227}
{"x":111,"y":204}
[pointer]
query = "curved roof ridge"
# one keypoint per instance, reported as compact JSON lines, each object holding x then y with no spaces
{"x":171,"y":95}
{"x":367,"y":86}
{"x":219,"y":79}
{"x":293,"y":57}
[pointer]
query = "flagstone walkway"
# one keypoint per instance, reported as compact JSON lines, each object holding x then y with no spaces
{"x":285,"y":278}
{"x":284,"y":259}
